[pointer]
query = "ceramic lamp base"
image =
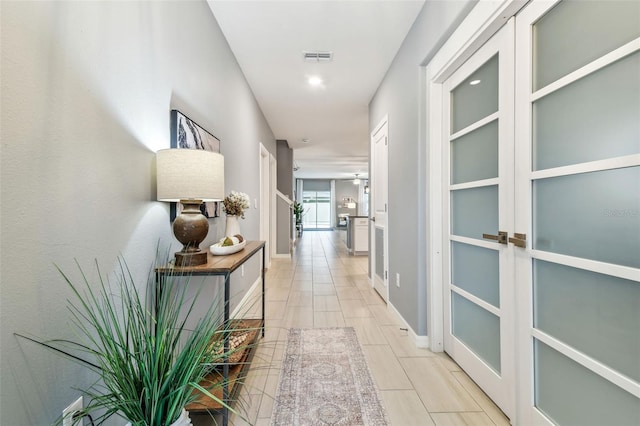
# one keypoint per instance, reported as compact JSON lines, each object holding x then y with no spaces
{"x":191,"y":259}
{"x":191,"y":228}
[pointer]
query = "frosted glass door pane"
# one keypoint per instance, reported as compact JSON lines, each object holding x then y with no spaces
{"x":474,"y":211}
{"x":574,"y":306}
{"x":474,"y":156}
{"x":594,"y":118}
{"x":572,"y":395}
{"x":563,"y":39}
{"x":475,"y":269}
{"x":477,"y":328}
{"x":591,"y":215}
{"x":476,"y":97}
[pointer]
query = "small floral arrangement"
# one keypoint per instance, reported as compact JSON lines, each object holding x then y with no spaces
{"x":236,"y":203}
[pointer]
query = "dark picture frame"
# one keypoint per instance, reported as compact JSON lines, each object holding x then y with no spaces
{"x":187,"y":134}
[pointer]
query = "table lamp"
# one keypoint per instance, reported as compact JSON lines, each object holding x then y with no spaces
{"x":191,"y":177}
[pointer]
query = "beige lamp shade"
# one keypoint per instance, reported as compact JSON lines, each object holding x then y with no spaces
{"x":189,"y":174}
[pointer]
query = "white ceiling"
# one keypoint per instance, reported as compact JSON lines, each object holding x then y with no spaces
{"x":268,"y":38}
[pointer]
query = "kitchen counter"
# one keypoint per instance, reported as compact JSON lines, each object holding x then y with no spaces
{"x":358,"y":234}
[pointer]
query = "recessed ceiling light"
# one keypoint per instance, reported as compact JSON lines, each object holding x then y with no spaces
{"x":474,"y":82}
{"x":315,"y":81}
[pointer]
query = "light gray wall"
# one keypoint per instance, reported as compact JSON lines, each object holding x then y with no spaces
{"x":346,"y":188}
{"x":401,"y":95}
{"x":86,"y":92}
{"x":284,"y":216}
{"x":284,"y":176}
{"x":284,"y":168}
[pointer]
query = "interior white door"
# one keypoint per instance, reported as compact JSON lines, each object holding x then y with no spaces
{"x":478,"y":266}
{"x":578,"y":198}
{"x":379,"y":200}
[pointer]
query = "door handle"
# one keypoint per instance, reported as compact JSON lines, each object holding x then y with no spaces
{"x":372,"y":219}
{"x":519,"y":240}
{"x":500,"y":238}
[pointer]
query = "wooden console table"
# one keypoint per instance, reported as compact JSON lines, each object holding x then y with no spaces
{"x":223,"y":266}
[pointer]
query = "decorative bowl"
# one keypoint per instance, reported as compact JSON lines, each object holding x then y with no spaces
{"x":218,"y":250}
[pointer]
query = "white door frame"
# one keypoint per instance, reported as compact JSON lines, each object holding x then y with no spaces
{"x":267,"y":202}
{"x":372,"y":212}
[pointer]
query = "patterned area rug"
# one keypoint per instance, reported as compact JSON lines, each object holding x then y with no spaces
{"x":325,"y":381}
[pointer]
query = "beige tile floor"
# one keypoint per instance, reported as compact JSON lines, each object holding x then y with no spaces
{"x":322,"y":286}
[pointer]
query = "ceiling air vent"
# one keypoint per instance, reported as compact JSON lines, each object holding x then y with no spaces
{"x":315,"y":56}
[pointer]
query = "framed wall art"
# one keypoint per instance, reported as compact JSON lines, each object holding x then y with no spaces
{"x":187,"y":134}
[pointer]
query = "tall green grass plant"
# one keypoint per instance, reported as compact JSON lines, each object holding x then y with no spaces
{"x":150,"y":362}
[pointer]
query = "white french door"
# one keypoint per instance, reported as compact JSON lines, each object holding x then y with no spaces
{"x":558,"y":291}
{"x":379,"y":200}
{"x":578,"y":197}
{"x":478,"y":152}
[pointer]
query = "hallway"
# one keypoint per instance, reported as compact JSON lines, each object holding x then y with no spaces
{"x":325,"y":287}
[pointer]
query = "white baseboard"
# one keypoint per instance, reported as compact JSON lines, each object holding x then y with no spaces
{"x":281,"y":256}
{"x":255,"y":287}
{"x":421,"y":341}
